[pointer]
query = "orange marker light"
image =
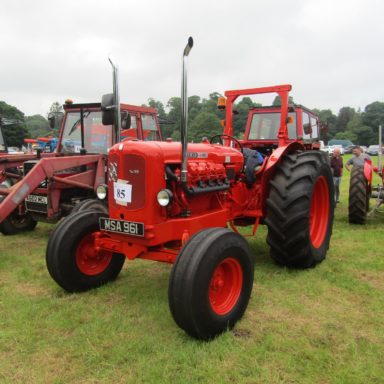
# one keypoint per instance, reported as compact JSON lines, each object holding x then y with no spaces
{"x":221,"y":103}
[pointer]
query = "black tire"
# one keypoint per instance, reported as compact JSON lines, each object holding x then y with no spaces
{"x":17,"y":223}
{"x":195,"y":284}
{"x":66,"y":244}
{"x":358,"y":199}
{"x":90,"y":205}
{"x":300,"y":210}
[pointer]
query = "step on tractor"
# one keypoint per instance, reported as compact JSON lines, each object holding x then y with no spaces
{"x":361,"y":189}
{"x":183,"y":203}
{"x":52,"y":187}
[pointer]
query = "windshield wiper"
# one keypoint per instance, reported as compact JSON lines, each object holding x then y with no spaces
{"x":74,"y":126}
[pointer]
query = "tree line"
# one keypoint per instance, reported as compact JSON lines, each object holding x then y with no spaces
{"x":204,"y":119}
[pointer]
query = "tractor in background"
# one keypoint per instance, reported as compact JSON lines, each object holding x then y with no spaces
{"x":174,"y":202}
{"x":70,"y":179}
{"x":43,"y":144}
{"x":361,"y":189}
{"x":11,"y":173}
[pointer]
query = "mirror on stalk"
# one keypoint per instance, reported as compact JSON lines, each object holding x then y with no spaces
{"x":54,"y":119}
{"x":125,"y":120}
{"x":107,"y":109}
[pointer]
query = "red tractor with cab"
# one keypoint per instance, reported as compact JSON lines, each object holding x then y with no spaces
{"x":183,"y":203}
{"x":50,"y":188}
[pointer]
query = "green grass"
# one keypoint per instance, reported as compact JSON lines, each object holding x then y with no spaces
{"x":324,"y":325}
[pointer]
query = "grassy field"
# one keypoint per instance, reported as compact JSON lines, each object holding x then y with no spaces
{"x":324,"y":325}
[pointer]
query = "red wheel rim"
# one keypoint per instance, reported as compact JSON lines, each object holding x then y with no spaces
{"x":225,"y":286}
{"x":90,"y":260}
{"x":319,"y":213}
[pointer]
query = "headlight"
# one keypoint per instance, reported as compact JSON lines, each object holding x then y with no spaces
{"x":101,"y":191}
{"x":164,"y":197}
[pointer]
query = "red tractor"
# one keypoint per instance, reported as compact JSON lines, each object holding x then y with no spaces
{"x":51,"y":187}
{"x":361,"y":190}
{"x":173,"y":202}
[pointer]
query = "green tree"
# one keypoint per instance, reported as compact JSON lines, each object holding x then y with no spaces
{"x":205,"y":124}
{"x":328,"y":120}
{"x":343,"y":118}
{"x":373,"y":116}
{"x":55,"y":108}
{"x":277,"y":101}
{"x":159,"y":106}
{"x":346,"y":136}
{"x":174,"y":116}
{"x":37,"y":125}
{"x":364,"y":134}
{"x":14,"y":134}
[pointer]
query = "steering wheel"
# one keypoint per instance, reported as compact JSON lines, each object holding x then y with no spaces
{"x":220,"y":136}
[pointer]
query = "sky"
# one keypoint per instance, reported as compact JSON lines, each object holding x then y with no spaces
{"x":331,"y":51}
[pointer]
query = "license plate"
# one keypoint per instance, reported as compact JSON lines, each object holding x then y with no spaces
{"x":37,"y":199}
{"x":122,"y":226}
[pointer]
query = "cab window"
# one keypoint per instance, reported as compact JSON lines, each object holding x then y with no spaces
{"x":150,"y":132}
{"x":265,"y":126}
{"x":315,"y":128}
{"x":306,"y":126}
{"x":97,"y":137}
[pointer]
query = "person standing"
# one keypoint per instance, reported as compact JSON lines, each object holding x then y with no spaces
{"x":337,"y":171}
{"x":357,"y":160}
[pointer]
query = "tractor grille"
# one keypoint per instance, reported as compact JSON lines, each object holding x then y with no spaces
{"x":134,"y":172}
{"x":37,"y":203}
{"x":124,"y":170}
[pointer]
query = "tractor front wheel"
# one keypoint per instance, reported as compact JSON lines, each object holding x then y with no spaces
{"x":359,"y":194}
{"x":17,"y":221}
{"x":72,"y":258}
{"x":300,"y":210}
{"x":90,"y":205}
{"x":211,"y":283}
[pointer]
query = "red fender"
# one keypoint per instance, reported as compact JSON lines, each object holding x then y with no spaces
{"x":368,"y":169}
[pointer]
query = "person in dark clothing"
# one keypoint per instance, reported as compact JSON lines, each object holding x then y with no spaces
{"x":337,"y":170}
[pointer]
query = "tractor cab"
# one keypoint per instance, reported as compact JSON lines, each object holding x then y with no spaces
{"x":83,"y":128}
{"x":264,"y":123}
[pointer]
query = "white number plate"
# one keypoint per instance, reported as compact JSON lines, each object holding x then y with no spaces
{"x":121,"y":226}
{"x":37,"y":199}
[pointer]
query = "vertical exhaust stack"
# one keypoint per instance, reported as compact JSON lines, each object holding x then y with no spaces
{"x":184,"y":114}
{"x":116,"y":98}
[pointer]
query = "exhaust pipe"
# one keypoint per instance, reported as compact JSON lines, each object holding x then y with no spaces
{"x":116,"y":98}
{"x":184,"y":114}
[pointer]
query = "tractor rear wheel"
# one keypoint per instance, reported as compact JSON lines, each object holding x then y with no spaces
{"x":358,"y":201}
{"x":211,"y":282}
{"x":300,"y":210}
{"x":72,"y":258}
